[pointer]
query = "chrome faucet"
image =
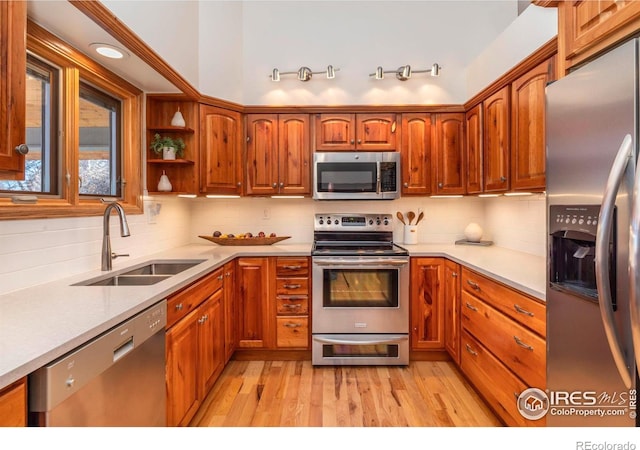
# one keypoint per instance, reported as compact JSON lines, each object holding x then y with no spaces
{"x":107,"y":255}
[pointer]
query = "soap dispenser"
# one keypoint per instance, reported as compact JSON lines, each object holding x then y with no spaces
{"x":164,"y":185}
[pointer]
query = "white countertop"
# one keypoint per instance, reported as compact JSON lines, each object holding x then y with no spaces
{"x":42,"y":323}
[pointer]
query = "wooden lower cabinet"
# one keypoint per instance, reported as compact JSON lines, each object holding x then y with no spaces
{"x":13,"y":404}
{"x":451,"y":300}
{"x":195,"y":357}
{"x":230,"y":316}
{"x":254,"y":328}
{"x":426,"y":304}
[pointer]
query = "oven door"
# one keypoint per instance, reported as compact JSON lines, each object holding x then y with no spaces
{"x":360,"y":349}
{"x":365,"y":295}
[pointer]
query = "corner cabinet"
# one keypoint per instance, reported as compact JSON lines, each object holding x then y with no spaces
{"x":220,"y":151}
{"x":449,"y":154}
{"x":278,"y":154}
{"x":426,"y":304}
{"x":415,"y":150}
{"x":182,"y":172}
{"x":355,"y":132}
{"x":13,"y":69}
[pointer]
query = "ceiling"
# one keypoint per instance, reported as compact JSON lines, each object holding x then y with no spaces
{"x":67,"y":22}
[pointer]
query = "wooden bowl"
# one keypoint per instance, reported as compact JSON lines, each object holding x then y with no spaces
{"x":245,"y":241}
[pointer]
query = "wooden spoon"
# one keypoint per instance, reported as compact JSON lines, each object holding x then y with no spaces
{"x":400,"y":217}
{"x":420,"y":217}
{"x":411,"y":215}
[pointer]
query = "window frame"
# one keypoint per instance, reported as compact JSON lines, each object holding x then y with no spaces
{"x":75,"y":66}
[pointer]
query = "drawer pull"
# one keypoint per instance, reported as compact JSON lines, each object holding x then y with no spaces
{"x":521,"y":310}
{"x":292,"y":267}
{"x":292,"y":298}
{"x":470,"y":350}
{"x":203,"y":319}
{"x":292,"y":325}
{"x":471,"y":307}
{"x":292,"y":306}
{"x":473,"y":284}
{"x":179,"y":307}
{"x":292,"y":286}
{"x":220,"y":277}
{"x":522,"y":344}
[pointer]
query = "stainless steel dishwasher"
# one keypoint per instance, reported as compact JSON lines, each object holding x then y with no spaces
{"x":116,"y":379}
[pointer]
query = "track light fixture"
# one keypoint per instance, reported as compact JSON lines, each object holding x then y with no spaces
{"x":304,"y":73}
{"x":403,"y":73}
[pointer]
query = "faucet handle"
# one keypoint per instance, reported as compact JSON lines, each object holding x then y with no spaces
{"x":114,"y":255}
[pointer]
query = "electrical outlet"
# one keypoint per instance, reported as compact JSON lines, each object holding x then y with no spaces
{"x":266,"y":214}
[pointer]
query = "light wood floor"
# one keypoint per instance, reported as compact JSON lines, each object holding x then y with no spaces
{"x":297,"y":394}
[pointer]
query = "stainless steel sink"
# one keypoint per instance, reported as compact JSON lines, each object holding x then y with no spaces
{"x":144,"y":274}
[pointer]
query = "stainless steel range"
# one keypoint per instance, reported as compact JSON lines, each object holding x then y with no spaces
{"x":360,"y":300}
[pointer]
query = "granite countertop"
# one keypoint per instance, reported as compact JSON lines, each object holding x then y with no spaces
{"x":43,"y":322}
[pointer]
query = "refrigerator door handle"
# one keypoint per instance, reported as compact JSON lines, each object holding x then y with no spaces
{"x":634,"y":266}
{"x":603,"y":237}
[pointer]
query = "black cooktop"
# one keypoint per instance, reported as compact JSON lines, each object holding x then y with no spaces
{"x":357,"y":248}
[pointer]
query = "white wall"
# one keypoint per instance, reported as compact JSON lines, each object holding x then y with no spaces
{"x":39,"y":251}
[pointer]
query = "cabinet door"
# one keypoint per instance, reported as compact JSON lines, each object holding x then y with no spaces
{"x":335,"y":132}
{"x":13,"y":70}
{"x":210,"y":342}
{"x":452,"y":309}
{"x":528,"y":157}
{"x":254,"y":318}
{"x":220,"y":151}
{"x":294,"y":168}
{"x":474,"y":150}
{"x":230,"y":312}
{"x":448,"y":154}
{"x":496,"y":141}
{"x":376,"y":132}
{"x":13,"y":404}
{"x":416,"y":154}
{"x":426,"y":293}
{"x":262,"y":154}
{"x":182,"y":370}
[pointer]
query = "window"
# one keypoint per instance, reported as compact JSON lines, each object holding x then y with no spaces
{"x":84,"y":135}
{"x":42,"y":123}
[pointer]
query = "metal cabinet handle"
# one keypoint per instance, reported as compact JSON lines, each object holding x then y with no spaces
{"x":292,"y":267}
{"x":281,"y":184}
{"x":352,"y":141}
{"x":454,"y":274}
{"x":228,"y":274}
{"x":22,"y":149}
{"x":603,"y":235}
{"x":406,"y":184}
{"x":473,"y":284}
{"x":239,"y":183}
{"x":292,"y":325}
{"x":470,"y":350}
{"x":292,"y":305}
{"x":292,"y":286}
{"x":440,"y":185}
{"x":503,"y":179}
{"x":393,"y":126}
{"x":471,"y":307}
{"x":522,"y":344}
{"x":275,"y":185}
{"x":521,"y":310}
{"x":359,"y":141}
{"x":220,"y":277}
{"x":179,"y":307}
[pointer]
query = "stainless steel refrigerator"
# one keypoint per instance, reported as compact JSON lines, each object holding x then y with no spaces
{"x":592,"y":149}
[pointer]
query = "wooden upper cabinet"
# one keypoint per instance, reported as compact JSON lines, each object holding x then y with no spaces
{"x":587,"y":27}
{"x":448,"y":154}
{"x":13,"y":69}
{"x":528,"y":157}
{"x":220,"y":151}
{"x":350,"y":132}
{"x":475,"y":184}
{"x":416,"y":153}
{"x":278,"y":154}
{"x":496,"y":137}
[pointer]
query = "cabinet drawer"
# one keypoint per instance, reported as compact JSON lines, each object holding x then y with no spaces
{"x":286,"y":267}
{"x":521,"y":350}
{"x":498,"y":385}
{"x":525,"y":310}
{"x":292,"y":304}
{"x":185,"y":301}
{"x":292,"y":286}
{"x":292,"y":332}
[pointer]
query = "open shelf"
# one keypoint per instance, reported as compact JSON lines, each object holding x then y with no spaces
{"x":170,"y":161}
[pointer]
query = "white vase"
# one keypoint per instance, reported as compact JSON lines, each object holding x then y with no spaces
{"x":178,"y":119}
{"x":164,"y":185}
{"x":168,"y":153}
{"x":473,"y":232}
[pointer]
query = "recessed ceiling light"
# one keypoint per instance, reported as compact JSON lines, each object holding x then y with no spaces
{"x":108,"y":50}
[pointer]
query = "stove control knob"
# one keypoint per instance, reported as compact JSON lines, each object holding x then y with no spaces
{"x":321,"y":221}
{"x":378,"y":221}
{"x":336,"y":222}
{"x":370,"y":221}
{"x":386,"y":221}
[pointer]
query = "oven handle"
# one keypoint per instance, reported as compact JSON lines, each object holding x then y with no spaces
{"x":378,"y":181}
{"x":361,"y":262}
{"x":325,"y":340}
{"x":603,"y":236}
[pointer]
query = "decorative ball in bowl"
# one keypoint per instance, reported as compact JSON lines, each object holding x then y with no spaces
{"x":473,"y":232}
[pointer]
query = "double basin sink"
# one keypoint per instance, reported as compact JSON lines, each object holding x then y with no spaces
{"x":144,"y":274}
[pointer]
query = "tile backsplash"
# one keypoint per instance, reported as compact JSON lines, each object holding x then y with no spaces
{"x":38,"y":251}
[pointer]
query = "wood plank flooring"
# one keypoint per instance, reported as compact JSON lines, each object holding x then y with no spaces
{"x":297,"y":394}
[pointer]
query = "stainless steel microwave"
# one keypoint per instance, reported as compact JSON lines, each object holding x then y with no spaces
{"x":356,"y":175}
